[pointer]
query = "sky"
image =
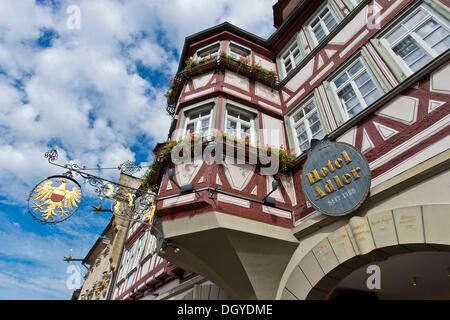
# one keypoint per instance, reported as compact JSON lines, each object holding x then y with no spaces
{"x":94,"y":88}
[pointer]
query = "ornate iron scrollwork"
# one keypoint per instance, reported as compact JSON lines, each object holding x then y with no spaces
{"x":129,"y":167}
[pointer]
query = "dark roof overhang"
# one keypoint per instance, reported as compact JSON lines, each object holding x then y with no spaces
{"x":226,"y":26}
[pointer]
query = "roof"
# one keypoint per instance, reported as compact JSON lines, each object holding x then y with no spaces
{"x":226,"y":26}
{"x":98,"y":246}
{"x":95,"y":250}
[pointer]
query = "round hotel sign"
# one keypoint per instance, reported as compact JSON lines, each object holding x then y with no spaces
{"x":335,"y":178}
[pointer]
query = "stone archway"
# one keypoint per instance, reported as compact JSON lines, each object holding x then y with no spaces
{"x":365,"y":239}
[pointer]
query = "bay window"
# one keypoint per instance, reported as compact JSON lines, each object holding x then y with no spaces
{"x":198,"y":122}
{"x":210,"y":50}
{"x":238,"y":52}
{"x":240,"y":124}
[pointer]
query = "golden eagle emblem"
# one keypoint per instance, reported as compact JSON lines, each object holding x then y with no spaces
{"x":53,"y":201}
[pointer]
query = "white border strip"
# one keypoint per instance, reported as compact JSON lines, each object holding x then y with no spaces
{"x":233,"y":200}
{"x":437,"y":126}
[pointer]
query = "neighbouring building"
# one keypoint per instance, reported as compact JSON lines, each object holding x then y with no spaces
{"x":373,"y":74}
{"x":104,"y":255}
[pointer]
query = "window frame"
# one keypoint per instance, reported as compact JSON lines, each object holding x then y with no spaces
{"x":150,"y":245}
{"x":138,"y":252}
{"x":366,"y":66}
{"x":196,"y":56}
{"x":131,"y":257}
{"x":125,"y":264}
{"x":254,"y":129}
{"x":293,"y":125}
{"x":198,"y":121}
{"x":392,"y":27}
{"x":180,"y":132}
{"x":240,"y":122}
{"x":351,"y":4}
{"x":295,"y":39}
{"x":233,"y":43}
{"x":309,"y":30}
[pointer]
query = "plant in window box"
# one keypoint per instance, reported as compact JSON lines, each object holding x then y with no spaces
{"x":193,"y":67}
{"x":266,"y":76}
{"x":173,"y":89}
{"x":286,"y":157}
{"x":189,"y":64}
{"x":263,"y":75}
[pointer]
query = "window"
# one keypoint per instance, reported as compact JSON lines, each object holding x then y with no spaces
{"x":356,"y":88}
{"x":307,"y":125}
{"x":240,"y":124}
{"x":418,"y":39}
{"x":125,"y":263}
{"x":322,"y":24}
{"x":212,"y":50}
{"x":198,"y":122}
{"x":237,"y":51}
{"x":139,"y":246}
{"x":130,"y":258}
{"x":151,"y":244}
{"x":291,"y":57}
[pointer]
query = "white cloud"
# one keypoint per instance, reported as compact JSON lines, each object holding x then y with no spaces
{"x":84,"y":93}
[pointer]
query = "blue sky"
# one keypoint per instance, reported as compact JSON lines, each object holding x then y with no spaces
{"x":95,"y":92}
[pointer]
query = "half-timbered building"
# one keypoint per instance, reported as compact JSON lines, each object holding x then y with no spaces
{"x":373,"y":74}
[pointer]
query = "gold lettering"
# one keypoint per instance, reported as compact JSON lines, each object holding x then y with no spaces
{"x":314,"y":177}
{"x":355,"y":173}
{"x":329,"y":188}
{"x":320,"y":193}
{"x":347,"y":178}
{"x":338,"y":182}
{"x":346,"y":157}
{"x":310,"y":178}
{"x":330,"y":166}
{"x":324,"y":172}
{"x":338,"y":163}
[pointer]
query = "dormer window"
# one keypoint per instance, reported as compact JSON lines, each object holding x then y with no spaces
{"x":239,"y":52}
{"x":208,"y":51}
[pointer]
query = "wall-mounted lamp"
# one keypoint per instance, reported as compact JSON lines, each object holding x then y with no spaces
{"x":168,"y":243}
{"x":414,"y":282}
{"x":268,"y":199}
{"x":184,"y":189}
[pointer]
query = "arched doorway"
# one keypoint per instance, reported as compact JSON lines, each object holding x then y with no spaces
{"x":410,"y":245}
{"x":416,"y":275}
